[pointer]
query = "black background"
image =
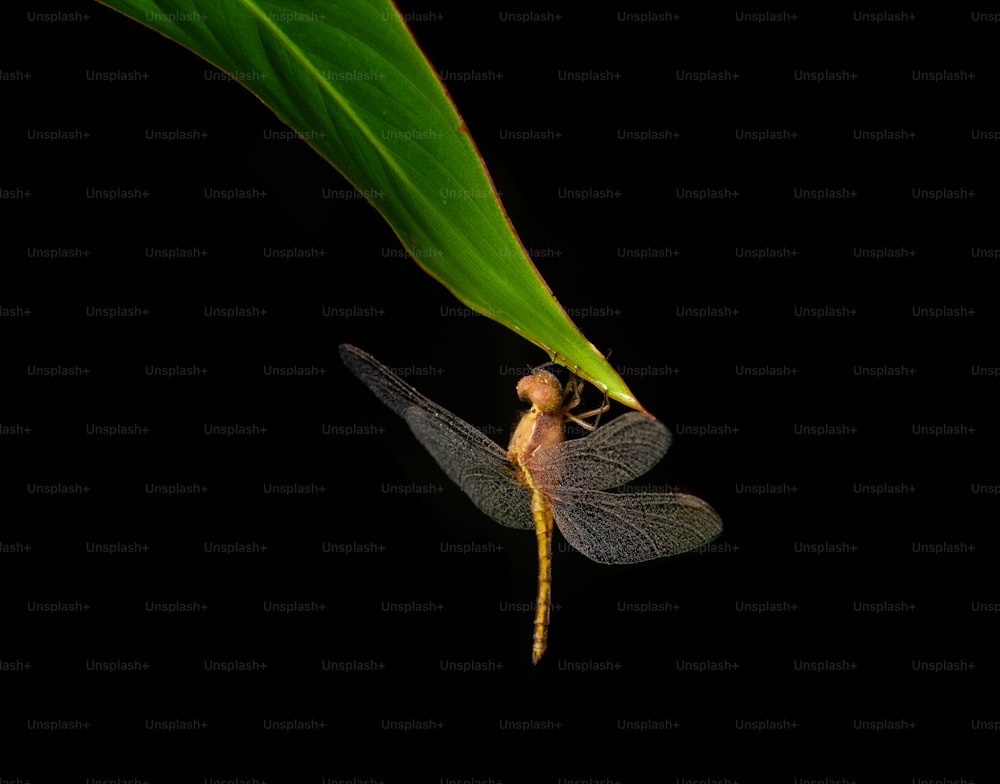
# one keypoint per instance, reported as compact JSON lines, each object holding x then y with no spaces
{"x":605,"y":665}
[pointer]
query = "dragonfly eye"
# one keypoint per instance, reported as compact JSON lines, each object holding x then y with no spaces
{"x":542,"y":390}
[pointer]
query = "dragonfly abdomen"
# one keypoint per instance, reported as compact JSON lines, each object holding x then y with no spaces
{"x":542,"y":514}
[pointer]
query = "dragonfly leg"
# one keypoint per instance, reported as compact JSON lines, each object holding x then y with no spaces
{"x":579,"y":418}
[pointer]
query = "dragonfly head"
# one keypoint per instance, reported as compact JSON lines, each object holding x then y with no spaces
{"x":542,"y":390}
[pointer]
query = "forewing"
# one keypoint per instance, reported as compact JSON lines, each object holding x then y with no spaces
{"x":470,"y":459}
{"x":618,"y":452}
{"x":483,"y":474}
{"x":624,"y":528}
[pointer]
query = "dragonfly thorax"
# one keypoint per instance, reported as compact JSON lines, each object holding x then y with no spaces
{"x":544,"y":424}
{"x":536,"y":430}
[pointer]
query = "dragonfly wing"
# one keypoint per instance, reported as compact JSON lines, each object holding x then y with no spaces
{"x":483,"y":474}
{"x":624,"y":528}
{"x":392,"y":390}
{"x":614,"y":454}
{"x":470,"y":459}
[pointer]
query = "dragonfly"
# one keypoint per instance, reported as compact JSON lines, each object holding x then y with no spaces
{"x":542,"y":478}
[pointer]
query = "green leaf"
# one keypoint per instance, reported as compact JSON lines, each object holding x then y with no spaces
{"x":349,"y":77}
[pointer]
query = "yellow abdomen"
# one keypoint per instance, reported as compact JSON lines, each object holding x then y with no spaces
{"x":542,"y":515}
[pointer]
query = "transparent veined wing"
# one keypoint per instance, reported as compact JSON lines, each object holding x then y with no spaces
{"x":487,"y":478}
{"x":472,"y":460}
{"x":620,"y":528}
{"x":625,"y":528}
{"x":615,"y":453}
